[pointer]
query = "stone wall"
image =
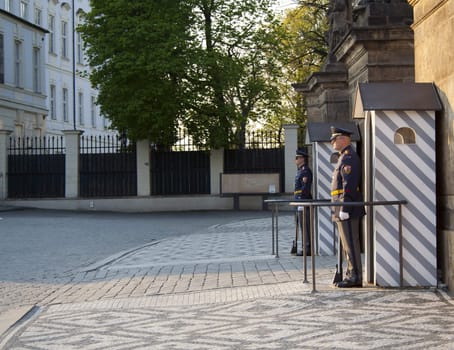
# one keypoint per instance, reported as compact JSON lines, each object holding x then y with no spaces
{"x":433,"y":32}
{"x":377,"y":46}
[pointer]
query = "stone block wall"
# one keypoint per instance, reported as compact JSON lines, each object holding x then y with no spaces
{"x":433,"y":28}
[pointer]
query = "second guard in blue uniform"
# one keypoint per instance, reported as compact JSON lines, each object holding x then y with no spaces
{"x":302,"y":190}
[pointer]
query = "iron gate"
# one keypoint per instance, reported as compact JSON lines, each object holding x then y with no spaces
{"x":180,"y":172}
{"x":36,"y":167}
{"x":108,"y":167}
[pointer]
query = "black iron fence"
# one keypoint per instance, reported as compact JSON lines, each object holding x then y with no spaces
{"x":180,"y":172}
{"x":108,"y":167}
{"x":36,"y":167}
{"x":185,"y":168}
{"x":262,"y":153}
{"x":260,"y":139}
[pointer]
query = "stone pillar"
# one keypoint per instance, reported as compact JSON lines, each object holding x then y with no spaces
{"x":291,"y":144}
{"x":326,"y":95}
{"x":433,"y":27}
{"x":216,"y":168}
{"x":143,"y":168}
{"x":4,"y":135}
{"x":72,"y":145}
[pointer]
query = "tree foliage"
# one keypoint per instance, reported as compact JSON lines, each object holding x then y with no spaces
{"x":239,"y":53}
{"x":305,"y":49}
{"x":307,"y":27}
{"x":207,"y":65}
{"x":139,"y":53}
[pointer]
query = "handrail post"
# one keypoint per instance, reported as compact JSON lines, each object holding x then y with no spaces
{"x":401,"y":259}
{"x":303,"y":224}
{"x":304,"y":231}
{"x":277,"y":232}
{"x":311,"y":212}
{"x":272,"y":227}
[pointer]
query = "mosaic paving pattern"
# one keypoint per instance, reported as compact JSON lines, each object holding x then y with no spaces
{"x":241,"y":240}
{"x":331,"y":320}
{"x":243,"y":298}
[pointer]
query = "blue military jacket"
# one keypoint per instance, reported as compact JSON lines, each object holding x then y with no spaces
{"x":303,"y":183}
{"x":345,"y":183}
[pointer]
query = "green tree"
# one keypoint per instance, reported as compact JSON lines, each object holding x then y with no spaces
{"x":238,"y":68}
{"x":139,"y":54}
{"x":305,"y":50}
{"x":206,"y":65}
{"x":307,"y":26}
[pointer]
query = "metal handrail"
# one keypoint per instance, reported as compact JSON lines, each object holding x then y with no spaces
{"x":327,"y":203}
{"x":274,"y":218}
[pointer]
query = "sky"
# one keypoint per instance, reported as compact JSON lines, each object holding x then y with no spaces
{"x":283,"y":5}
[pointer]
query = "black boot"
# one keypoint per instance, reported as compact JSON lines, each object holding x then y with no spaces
{"x":293,"y":250}
{"x":350,"y":283}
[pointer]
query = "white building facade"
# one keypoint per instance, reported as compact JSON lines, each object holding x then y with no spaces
{"x":44,"y":87}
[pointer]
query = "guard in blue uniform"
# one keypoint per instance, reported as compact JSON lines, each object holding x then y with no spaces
{"x":345,"y":188}
{"x":303,"y":185}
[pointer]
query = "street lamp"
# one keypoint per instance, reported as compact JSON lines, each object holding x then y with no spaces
{"x":74,"y":64}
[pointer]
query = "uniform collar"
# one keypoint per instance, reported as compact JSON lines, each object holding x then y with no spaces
{"x":346,"y":149}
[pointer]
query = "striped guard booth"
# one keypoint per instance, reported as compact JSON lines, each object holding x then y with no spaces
{"x":402,"y":166}
{"x":324,"y":170}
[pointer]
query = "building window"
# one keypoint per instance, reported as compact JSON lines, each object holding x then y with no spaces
{"x":404,"y":136}
{"x":93,"y":111}
{"x":19,"y":130}
{"x":38,"y":14}
{"x":23,"y":9}
{"x":18,"y":64}
{"x":36,"y":70}
{"x":81,"y":108}
{"x":64,"y":39}
{"x":53,"y":114}
{"x":9,"y":5}
{"x":65,"y":104}
{"x":79,"y":43}
{"x":80,"y":54}
{"x":2,"y":61}
{"x":51,"y":28}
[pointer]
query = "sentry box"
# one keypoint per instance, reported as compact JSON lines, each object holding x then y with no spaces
{"x":398,"y":121}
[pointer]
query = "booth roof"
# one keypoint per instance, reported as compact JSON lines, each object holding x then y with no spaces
{"x":321,"y":132}
{"x":396,"y":96}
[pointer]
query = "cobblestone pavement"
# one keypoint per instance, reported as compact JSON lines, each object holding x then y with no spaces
{"x":221,"y":289}
{"x":40,"y":249}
